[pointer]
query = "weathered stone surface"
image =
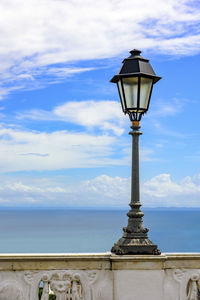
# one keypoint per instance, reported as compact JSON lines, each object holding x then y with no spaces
{"x":100,"y":276}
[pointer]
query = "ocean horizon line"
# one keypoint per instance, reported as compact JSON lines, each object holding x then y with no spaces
{"x":96,"y":208}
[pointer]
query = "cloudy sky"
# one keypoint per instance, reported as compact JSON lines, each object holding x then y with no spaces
{"x":63,"y":137}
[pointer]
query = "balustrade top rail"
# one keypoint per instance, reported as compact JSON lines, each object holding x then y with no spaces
{"x":98,"y":261}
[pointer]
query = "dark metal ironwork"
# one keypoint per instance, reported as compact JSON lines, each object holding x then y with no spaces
{"x":135,"y":239}
{"x":135,"y":82}
{"x":135,"y":66}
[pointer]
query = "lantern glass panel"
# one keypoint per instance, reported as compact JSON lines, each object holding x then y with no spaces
{"x":119,"y":84}
{"x":131,"y":92}
{"x":145,"y":90}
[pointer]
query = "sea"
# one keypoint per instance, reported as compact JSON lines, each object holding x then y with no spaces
{"x":93,"y":230}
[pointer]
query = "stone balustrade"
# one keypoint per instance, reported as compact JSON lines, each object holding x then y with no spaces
{"x":99,"y":277}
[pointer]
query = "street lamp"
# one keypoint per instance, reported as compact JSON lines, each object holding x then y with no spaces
{"x":135,"y":82}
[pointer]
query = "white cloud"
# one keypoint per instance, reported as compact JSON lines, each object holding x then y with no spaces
{"x":64,"y":72}
{"x":39,"y":192}
{"x":102,"y":191}
{"x":114,"y":189}
{"x":34,"y":78}
{"x":89,"y":113}
{"x":38,"y":37}
{"x":166,"y":108}
{"x":30,"y":150}
{"x":161,"y":190}
{"x":106,"y":115}
{"x":163,"y":130}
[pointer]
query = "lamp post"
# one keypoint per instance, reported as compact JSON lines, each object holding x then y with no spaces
{"x":135,"y":82}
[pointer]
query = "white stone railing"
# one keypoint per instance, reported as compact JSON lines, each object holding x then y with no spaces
{"x":99,"y":277}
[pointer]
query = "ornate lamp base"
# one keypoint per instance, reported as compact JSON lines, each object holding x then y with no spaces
{"x":135,"y":239}
{"x":134,"y":246}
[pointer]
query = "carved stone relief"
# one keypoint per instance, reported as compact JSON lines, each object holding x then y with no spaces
{"x":9,"y":290}
{"x":70,"y":285}
{"x":193,"y":287}
{"x":65,"y":286}
{"x":182,"y":284}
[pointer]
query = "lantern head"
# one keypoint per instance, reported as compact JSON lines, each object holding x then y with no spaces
{"x":135,"y":82}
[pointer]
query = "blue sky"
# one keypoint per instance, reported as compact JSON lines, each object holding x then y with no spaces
{"x":63,"y":137}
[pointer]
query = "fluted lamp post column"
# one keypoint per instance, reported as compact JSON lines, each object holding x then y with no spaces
{"x":135,"y":82}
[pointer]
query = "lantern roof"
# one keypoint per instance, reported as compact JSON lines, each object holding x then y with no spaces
{"x":136,"y":65}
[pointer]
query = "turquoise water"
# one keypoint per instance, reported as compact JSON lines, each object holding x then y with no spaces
{"x":38,"y":231}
